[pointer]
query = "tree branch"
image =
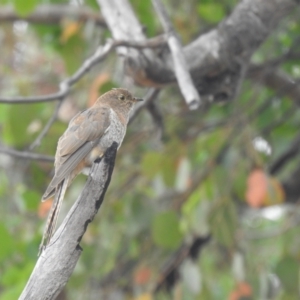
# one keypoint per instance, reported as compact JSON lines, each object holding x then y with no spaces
{"x":57,"y":262}
{"x":52,"y":14}
{"x":183,"y":76}
{"x":100,"y":54}
{"x":150,"y":97}
{"x":275,"y":79}
{"x":286,"y":156}
{"x":45,"y":130}
{"x":27,"y":155}
{"x":216,"y":60}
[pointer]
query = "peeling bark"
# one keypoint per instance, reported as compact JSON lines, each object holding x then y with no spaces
{"x":57,"y":262}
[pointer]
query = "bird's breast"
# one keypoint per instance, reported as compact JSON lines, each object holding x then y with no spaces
{"x":115,"y":133}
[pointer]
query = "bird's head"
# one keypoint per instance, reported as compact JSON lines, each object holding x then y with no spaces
{"x":119,"y":99}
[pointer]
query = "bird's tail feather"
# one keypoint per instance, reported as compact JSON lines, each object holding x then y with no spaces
{"x":53,"y":215}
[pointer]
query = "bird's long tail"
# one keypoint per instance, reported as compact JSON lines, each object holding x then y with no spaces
{"x":53,"y":215}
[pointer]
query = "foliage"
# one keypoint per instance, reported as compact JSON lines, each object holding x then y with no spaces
{"x":208,"y":175}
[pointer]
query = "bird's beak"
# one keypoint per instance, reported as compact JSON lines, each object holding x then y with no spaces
{"x":138,"y":99}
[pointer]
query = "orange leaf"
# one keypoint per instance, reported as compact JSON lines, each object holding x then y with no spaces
{"x":263,"y":190}
{"x":142,"y":275}
{"x":44,"y":208}
{"x":95,"y":87}
{"x":234,"y":295}
{"x":275,"y":192}
{"x":256,"y":188}
{"x":145,"y":296}
{"x":69,"y":30}
{"x":243,"y":289}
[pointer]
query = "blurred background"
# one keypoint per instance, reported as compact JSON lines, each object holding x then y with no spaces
{"x":202,"y":204}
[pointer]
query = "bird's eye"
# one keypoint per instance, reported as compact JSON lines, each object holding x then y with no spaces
{"x":121,"y":97}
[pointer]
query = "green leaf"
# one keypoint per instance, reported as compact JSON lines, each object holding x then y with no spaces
{"x":93,"y":4}
{"x":31,"y":199}
{"x":15,"y":279}
{"x":144,"y":10}
{"x":3,"y":182}
{"x":154,"y":163}
{"x":7,"y":242}
{"x":223,"y":223}
{"x":17,"y":273}
{"x":288,"y":272}
{"x":151,"y":164}
{"x":165,"y":230}
{"x":72,"y":53}
{"x":13,"y":292}
{"x":211,"y":12}
{"x":4,"y":108}
{"x":25,"y":7}
{"x":19,"y":117}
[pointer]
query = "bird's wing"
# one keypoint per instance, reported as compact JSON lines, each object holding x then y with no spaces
{"x":81,"y":136}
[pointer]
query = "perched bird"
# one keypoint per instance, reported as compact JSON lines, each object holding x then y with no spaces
{"x":89,"y":134}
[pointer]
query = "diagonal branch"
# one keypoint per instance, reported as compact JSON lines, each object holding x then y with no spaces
{"x":183,"y":76}
{"x":57,"y":262}
{"x":291,"y":151}
{"x":100,"y":54}
{"x":45,"y":130}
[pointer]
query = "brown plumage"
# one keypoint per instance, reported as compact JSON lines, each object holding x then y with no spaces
{"x":87,"y":137}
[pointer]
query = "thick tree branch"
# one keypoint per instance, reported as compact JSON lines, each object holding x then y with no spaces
{"x":216,"y":60}
{"x":57,"y":262}
{"x":52,"y":14}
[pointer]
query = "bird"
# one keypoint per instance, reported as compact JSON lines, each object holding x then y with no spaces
{"x":89,"y":134}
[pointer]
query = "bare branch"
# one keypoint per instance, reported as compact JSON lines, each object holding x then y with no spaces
{"x":157,"y":118}
{"x":100,"y":54}
{"x":183,"y":76}
{"x":291,"y":151}
{"x":57,"y":262}
{"x":45,"y":130}
{"x":275,"y":79}
{"x":216,"y":59}
{"x":150,"y":96}
{"x":52,"y":14}
{"x":26,"y":155}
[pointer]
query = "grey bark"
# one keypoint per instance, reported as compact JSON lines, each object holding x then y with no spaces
{"x":217,"y":60}
{"x":57,"y":262}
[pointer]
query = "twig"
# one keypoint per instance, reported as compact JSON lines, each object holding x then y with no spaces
{"x":98,"y":56}
{"x":27,"y":155}
{"x":150,"y":96}
{"x":170,"y":271}
{"x":275,"y":79}
{"x":183,"y":76}
{"x":39,"y":138}
{"x":281,"y":120}
{"x":157,"y":118}
{"x":57,"y":262}
{"x":52,"y":14}
{"x":288,"y":154}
